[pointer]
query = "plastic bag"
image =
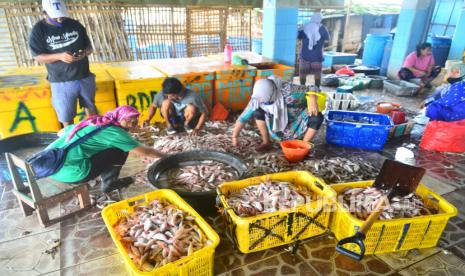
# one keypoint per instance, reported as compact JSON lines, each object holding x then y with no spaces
{"x":405,"y":155}
{"x":444,"y":136}
{"x":345,"y":71}
{"x":219,"y":113}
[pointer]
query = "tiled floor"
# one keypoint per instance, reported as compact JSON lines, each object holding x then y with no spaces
{"x":440,"y":264}
{"x":25,"y":256}
{"x":86,"y":248}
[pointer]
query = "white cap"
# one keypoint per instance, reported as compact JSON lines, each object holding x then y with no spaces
{"x":55,"y":8}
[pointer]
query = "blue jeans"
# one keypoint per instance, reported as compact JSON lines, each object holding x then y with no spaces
{"x":65,"y":96}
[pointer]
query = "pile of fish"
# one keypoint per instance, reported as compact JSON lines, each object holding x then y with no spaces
{"x":159,"y":233}
{"x":362,"y":201}
{"x":266,"y":197}
{"x":200,"y":178}
{"x":331,"y":170}
{"x":218,"y":138}
{"x":217,"y":125}
{"x":340,"y":169}
{"x":267,"y":163}
{"x":209,"y":141}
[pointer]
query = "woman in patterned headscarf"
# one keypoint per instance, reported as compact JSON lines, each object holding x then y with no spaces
{"x":105,"y":152}
{"x":279,"y":113}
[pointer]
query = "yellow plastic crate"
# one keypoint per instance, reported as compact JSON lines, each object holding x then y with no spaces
{"x":27,"y":70}
{"x":281,"y":71}
{"x":320,"y":100}
{"x":227,"y":71}
{"x":29,"y":86}
{"x":31,"y":90}
{"x":234,"y":95}
{"x":105,"y":85}
{"x":235,"y":72}
{"x":395,"y":234}
{"x":136,"y":84}
{"x":102,"y":108}
{"x":192,"y":73}
{"x":269,"y":230}
{"x":199,"y":263}
{"x":186,"y":69}
{"x":25,"y":120}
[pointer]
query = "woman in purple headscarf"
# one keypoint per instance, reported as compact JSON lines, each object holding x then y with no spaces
{"x":105,"y":152}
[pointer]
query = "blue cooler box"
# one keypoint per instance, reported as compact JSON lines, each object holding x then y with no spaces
{"x":358,"y":129}
{"x":332,"y":58}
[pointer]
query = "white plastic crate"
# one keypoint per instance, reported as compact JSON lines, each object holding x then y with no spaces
{"x":341,"y":101}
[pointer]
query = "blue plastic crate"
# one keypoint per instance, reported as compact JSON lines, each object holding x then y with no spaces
{"x":331,"y":58}
{"x":358,"y":129}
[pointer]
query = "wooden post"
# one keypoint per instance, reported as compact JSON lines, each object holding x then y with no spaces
{"x":224,"y":28}
{"x":250,"y":30}
{"x":83,"y":196}
{"x":346,"y":26}
{"x":188,"y":31}
{"x":173,"y":37}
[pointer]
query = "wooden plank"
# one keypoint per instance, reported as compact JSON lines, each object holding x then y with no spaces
{"x":346,"y":26}
{"x":25,"y":198}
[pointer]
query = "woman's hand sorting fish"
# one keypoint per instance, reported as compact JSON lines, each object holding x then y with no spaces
{"x":159,"y":233}
{"x":267,"y":197}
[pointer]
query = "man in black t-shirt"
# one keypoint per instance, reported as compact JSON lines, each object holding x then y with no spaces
{"x":62,"y":44}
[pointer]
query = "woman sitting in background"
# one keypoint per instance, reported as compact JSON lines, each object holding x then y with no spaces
{"x":420,"y":64}
{"x":280,"y":114}
{"x":448,"y":104}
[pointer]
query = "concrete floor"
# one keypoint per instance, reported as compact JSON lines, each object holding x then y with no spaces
{"x":87,"y":249}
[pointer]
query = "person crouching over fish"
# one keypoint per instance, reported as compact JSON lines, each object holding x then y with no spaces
{"x":104,"y":152}
{"x":279,"y":114}
{"x":180,"y":107}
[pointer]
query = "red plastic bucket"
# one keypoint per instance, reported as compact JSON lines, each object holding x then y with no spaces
{"x":386,"y":107}
{"x":398,"y":117}
{"x":295,"y":150}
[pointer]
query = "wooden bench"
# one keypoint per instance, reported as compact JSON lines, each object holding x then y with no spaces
{"x":41,"y":194}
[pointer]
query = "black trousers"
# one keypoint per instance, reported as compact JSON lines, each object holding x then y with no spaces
{"x":107,"y":164}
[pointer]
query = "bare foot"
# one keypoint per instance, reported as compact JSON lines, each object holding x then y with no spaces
{"x":421,"y":89}
{"x":264,"y":147}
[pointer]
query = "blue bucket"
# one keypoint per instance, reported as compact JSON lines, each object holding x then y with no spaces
{"x":373,"y":51}
{"x":386,"y":57}
{"x":441,"y":47}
